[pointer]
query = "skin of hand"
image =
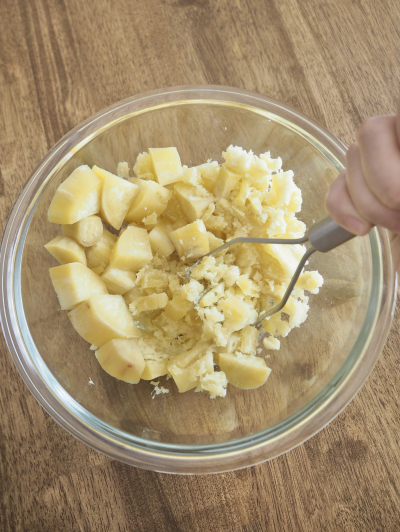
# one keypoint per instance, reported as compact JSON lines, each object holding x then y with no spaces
{"x":367,"y":192}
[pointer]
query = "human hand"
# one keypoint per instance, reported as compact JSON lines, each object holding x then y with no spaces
{"x":367,"y":192}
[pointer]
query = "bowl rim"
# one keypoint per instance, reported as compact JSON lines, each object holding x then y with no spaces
{"x":178,"y":458}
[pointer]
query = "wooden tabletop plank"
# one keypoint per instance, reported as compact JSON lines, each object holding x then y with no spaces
{"x":60,"y":62}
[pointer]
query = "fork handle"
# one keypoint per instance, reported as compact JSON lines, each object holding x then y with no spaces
{"x":327,"y":234}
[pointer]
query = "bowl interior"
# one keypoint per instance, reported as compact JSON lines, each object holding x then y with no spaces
{"x":309,"y":357}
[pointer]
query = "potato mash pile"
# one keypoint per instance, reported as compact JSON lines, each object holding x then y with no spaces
{"x":124,"y":281}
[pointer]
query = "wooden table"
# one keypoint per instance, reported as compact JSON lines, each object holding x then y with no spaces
{"x":63,"y":60}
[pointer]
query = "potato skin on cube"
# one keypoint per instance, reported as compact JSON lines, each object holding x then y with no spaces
{"x":122,"y":359}
{"x":103,"y":318}
{"x":66,"y":250}
{"x":166,"y":163}
{"x":132,"y":250}
{"x":75,"y":283}
{"x":77,"y":197}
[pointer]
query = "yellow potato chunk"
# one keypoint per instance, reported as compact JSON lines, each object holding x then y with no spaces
{"x":116,"y":197}
{"x":122,"y":359}
{"x":189,"y":377}
{"x":177,"y":308}
{"x":98,"y":270}
{"x":118,"y":281}
{"x":191,"y":241}
{"x":215,"y":383}
{"x":154,"y":369}
{"x":166,"y":164}
{"x":152,"y":198}
{"x":244,"y":371}
{"x":152,"y":302}
{"x":237,"y":313}
{"x":99,"y":254}
{"x":77,"y":197}
{"x":213,"y":241}
{"x":193,"y":204}
{"x":66,"y":250}
{"x":227,"y":180}
{"x":87,"y":232}
{"x":160,"y":241}
{"x":102,"y":318}
{"x":132,"y":250}
{"x":249,"y":340}
{"x":272,"y":343}
{"x":75,"y":283}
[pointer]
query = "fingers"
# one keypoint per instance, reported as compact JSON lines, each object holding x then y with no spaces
{"x":342,"y":209}
{"x":380,"y":158}
{"x":367,"y":204}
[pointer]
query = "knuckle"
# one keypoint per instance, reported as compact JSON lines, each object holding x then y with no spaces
{"x":391,"y":195}
{"x":369,"y":128}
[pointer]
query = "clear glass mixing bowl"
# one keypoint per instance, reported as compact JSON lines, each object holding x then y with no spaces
{"x":320,"y":366}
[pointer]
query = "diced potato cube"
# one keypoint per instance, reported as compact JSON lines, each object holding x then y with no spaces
{"x":99,"y":254}
{"x":191,"y":241}
{"x":123,"y":170}
{"x":249,"y":339}
{"x":193,"y":204}
{"x":75,"y":283}
{"x":167,"y":165}
{"x":275,"y":326}
{"x":189,"y":377}
{"x":272,"y":343}
{"x":215,"y":383}
{"x":154,"y":369}
{"x":118,"y":281}
{"x":160,"y":241}
{"x":77,"y":197}
{"x":132,"y":250}
{"x":177,"y":308}
{"x":152,"y":197}
{"x":245,"y":372}
{"x":244,"y":191}
{"x":143,"y":164}
{"x":237,"y":313}
{"x":122,"y":359}
{"x":214,"y":242}
{"x":226,"y":182}
{"x":66,"y":250}
{"x":87,"y":232}
{"x":116,"y":197}
{"x":102,"y":318}
{"x":132,"y":295}
{"x":189,"y":357}
{"x":152,"y":302}
{"x":209,"y":174}
{"x":98,"y":270}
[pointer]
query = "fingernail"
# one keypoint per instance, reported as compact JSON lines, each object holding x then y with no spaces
{"x":356,"y":226}
{"x":396,"y":227}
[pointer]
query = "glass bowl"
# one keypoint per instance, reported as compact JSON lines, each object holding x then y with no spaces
{"x":320,"y":366}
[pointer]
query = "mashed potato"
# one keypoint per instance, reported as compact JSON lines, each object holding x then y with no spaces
{"x":201,"y":333}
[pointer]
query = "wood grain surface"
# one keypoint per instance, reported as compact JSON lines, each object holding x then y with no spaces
{"x":63,"y":60}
